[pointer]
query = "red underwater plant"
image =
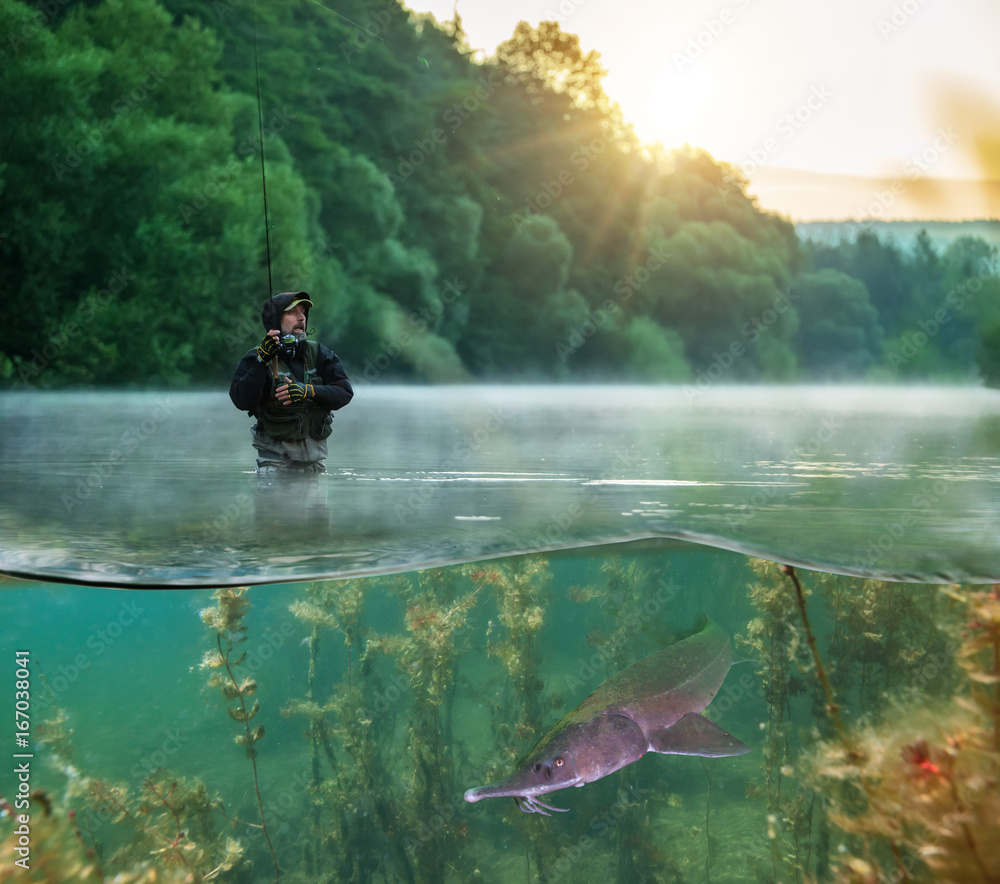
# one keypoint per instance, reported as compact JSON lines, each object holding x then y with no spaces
{"x":919,"y":755}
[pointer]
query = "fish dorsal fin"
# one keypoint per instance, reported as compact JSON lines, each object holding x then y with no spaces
{"x":693,"y":734}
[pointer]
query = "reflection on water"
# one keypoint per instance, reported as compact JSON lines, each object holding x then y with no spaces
{"x":151,"y":489}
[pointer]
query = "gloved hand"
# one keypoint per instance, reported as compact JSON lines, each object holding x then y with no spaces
{"x":300,"y":392}
{"x":268,"y":348}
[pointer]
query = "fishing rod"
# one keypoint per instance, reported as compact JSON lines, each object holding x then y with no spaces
{"x":260,"y":133}
{"x":263,"y":171}
{"x":263,"y":175}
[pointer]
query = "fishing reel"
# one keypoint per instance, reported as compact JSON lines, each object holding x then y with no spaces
{"x":288,"y":346}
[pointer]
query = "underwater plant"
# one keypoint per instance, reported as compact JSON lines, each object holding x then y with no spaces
{"x":778,"y":642}
{"x":226,"y":621}
{"x":165,"y":831}
{"x":171,"y":818}
{"x":361,"y":836}
{"x":392,"y":816}
{"x":918,"y":793}
{"x":881,"y":634}
{"x":518,"y":588}
{"x":437,"y":604}
{"x":326,"y":606}
{"x":885,"y":647}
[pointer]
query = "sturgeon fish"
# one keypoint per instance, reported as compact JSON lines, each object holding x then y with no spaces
{"x":652,"y":706}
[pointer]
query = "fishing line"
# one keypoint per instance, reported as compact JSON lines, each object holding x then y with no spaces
{"x":345,"y":18}
{"x":263,"y":173}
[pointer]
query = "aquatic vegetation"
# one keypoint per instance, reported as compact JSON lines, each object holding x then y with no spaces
{"x":412,"y":688}
{"x":920,"y":790}
{"x":632,"y":597}
{"x":226,"y":621}
{"x":387,"y":816}
{"x":345,"y":805}
{"x":778,"y":642}
{"x":426,"y":656}
{"x":167,"y":830}
{"x":519,"y":590}
{"x":883,"y":636}
{"x":170,"y":818}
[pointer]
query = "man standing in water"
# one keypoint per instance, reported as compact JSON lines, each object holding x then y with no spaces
{"x":291,"y":386}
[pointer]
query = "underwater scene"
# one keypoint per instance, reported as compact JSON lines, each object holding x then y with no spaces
{"x":328,"y":731}
{"x":810,"y":692}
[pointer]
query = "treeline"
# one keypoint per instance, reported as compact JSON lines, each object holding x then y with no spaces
{"x":452,"y":218}
{"x":872,"y":307}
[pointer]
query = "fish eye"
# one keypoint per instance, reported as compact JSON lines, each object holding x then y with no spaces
{"x":559,"y":762}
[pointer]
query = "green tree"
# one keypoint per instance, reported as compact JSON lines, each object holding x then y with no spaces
{"x":653,"y":353}
{"x":839,"y":334}
{"x":151,"y":192}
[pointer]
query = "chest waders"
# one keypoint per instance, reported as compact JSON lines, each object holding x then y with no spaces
{"x":289,"y":423}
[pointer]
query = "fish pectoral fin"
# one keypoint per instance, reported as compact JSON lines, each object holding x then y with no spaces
{"x":694,"y":734}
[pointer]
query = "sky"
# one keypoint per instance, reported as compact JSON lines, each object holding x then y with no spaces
{"x":822,"y":105}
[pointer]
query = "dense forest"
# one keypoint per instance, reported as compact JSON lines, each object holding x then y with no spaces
{"x":453,"y":217}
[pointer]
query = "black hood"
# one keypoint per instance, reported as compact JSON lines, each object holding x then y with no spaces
{"x":274,"y":306}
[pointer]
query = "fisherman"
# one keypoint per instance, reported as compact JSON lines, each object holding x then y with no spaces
{"x":291,"y":386}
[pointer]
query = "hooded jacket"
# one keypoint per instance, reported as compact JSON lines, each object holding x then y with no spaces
{"x":253,"y":387}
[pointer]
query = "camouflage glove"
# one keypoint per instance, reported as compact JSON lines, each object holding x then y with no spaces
{"x":268,"y":349}
{"x":300,"y":392}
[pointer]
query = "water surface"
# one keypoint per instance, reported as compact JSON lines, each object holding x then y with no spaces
{"x":155,"y":489}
